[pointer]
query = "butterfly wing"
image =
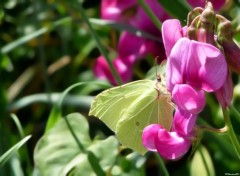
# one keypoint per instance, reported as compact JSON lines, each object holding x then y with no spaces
{"x":129,"y":108}
{"x":148,"y":108}
{"x":109,"y":105}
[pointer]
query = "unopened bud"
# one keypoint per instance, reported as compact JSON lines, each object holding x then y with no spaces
{"x":231,"y":50}
{"x":207,"y":25}
{"x":201,"y":24}
{"x":225,"y":93}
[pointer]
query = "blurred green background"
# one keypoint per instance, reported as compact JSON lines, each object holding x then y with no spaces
{"x":45,"y":48}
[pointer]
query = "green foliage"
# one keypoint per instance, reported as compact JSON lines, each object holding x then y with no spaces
{"x":46,"y":46}
{"x":57,"y":153}
{"x":129,"y":108}
{"x":202,"y":164}
{"x":8,"y":154}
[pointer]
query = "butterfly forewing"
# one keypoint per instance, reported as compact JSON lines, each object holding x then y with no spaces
{"x":109,"y":105}
{"x":148,"y":108}
{"x":128,"y":109}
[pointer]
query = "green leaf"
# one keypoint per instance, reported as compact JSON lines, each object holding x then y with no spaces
{"x":7,"y":155}
{"x":57,"y":153}
{"x":124,"y":27}
{"x":177,"y":9}
{"x":131,"y":165}
{"x":129,"y":108}
{"x":202,"y":164}
{"x":56,"y":112}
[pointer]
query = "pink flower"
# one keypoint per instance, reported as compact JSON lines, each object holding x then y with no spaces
{"x":217,"y":4}
{"x":197,"y":64}
{"x":130,"y":44}
{"x":131,"y":47}
{"x":128,"y":11}
{"x":172,"y":31}
{"x":188,"y":99}
{"x":171,"y":144}
{"x":102,"y":70}
{"x":118,"y":10}
{"x":192,"y":66}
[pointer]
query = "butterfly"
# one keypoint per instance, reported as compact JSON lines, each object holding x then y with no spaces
{"x":129,"y":108}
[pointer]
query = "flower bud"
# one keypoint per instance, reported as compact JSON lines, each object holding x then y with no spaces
{"x":225,"y":93}
{"x":207,"y":25}
{"x":231,"y":50}
{"x":201,"y":27}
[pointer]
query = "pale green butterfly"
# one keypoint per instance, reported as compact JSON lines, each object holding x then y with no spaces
{"x":129,"y":108}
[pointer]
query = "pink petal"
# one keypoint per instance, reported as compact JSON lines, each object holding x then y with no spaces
{"x":114,"y":9}
{"x":213,"y":70}
{"x":138,"y":47}
{"x":217,"y":4}
{"x":188,"y":99}
{"x":102,"y":70}
{"x":130,"y":44}
{"x":148,"y":136}
{"x":171,"y":145}
{"x":143,"y":22}
{"x":171,"y":33}
{"x":225,"y":93}
{"x":200,"y":65}
{"x":184,"y":123}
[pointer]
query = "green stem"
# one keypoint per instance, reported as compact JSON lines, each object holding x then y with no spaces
{"x":214,"y":130}
{"x":100,"y":47}
{"x":162,"y":165}
{"x":80,"y":146}
{"x":150,"y":14}
{"x":22,"y":135}
{"x":230,"y":132}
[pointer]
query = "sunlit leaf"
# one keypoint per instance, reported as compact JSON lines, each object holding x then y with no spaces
{"x":202,"y":164}
{"x":129,"y":108}
{"x":57,"y":153}
{"x":177,"y":9}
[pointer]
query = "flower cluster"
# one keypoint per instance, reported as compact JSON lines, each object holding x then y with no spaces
{"x":131,"y":47}
{"x":196,"y":63}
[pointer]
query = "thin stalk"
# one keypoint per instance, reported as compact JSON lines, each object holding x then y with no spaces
{"x":162,"y":165}
{"x":80,"y":146}
{"x":209,"y":129}
{"x":150,"y":14}
{"x":91,"y":157}
{"x":22,"y":135}
{"x":230,"y":132}
{"x":204,"y":161}
{"x":100,"y":46}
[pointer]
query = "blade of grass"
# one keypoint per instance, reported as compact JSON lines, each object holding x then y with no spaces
{"x":56,"y":113}
{"x":22,"y":135}
{"x":150,"y":14}
{"x":94,"y":35}
{"x":9,"y":47}
{"x":8,"y":154}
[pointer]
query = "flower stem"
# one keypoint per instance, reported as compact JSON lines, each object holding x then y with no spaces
{"x":150,"y":14}
{"x":162,"y":165}
{"x":80,"y":146}
{"x":230,"y":132}
{"x":220,"y":130}
{"x":99,"y":44}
